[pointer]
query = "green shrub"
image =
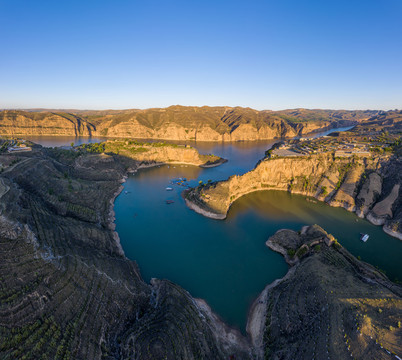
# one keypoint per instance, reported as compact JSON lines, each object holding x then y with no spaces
{"x":301,"y":252}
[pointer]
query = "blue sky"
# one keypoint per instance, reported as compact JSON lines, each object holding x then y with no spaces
{"x":98,"y":54}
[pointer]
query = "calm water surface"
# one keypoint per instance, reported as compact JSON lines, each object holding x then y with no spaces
{"x":226,"y":262}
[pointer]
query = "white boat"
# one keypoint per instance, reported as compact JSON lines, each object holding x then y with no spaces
{"x":169,"y":189}
{"x":364,"y":237}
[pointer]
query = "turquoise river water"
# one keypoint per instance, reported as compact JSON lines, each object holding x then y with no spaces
{"x":226,"y":262}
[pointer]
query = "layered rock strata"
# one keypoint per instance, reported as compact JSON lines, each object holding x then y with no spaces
{"x":370,"y":186}
{"x":179,"y":123}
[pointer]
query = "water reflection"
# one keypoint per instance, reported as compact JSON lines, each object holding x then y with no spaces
{"x":381,"y":250}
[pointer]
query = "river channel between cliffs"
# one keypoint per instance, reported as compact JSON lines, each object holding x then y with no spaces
{"x":226,"y":262}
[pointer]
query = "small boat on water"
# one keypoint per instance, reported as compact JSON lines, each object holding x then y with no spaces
{"x":364,"y":237}
{"x":169,"y":189}
{"x":169,"y":202}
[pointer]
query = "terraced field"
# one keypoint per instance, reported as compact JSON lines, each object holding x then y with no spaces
{"x":332,"y":306}
{"x":67,"y":291}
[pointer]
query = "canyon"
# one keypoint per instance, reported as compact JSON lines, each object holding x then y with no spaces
{"x":182,"y":123}
{"x":69,"y":291}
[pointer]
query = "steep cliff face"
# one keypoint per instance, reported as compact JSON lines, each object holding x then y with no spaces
{"x":368,"y":186}
{"x":177,"y":123}
{"x":160,"y":153}
{"x":17,"y":123}
{"x":209,"y":124}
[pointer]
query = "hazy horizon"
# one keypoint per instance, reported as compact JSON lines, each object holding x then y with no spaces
{"x":40,"y":109}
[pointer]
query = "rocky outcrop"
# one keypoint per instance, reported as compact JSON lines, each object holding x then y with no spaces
{"x":383,"y":209}
{"x":329,"y":305}
{"x":369,"y":193}
{"x":160,"y":153}
{"x":178,"y":123}
{"x":352,"y":183}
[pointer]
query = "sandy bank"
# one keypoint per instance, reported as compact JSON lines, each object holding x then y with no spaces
{"x":227,"y":336}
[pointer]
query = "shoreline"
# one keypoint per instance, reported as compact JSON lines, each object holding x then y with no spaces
{"x":145,"y":164}
{"x":214,"y":215}
{"x":155,"y":164}
{"x":228,"y":335}
{"x":257,"y":312}
{"x":112,"y":217}
{"x":198,"y":209}
{"x":111,"y":214}
{"x":256,"y":317}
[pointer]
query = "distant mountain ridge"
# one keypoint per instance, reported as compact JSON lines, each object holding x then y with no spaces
{"x":180,"y":122}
